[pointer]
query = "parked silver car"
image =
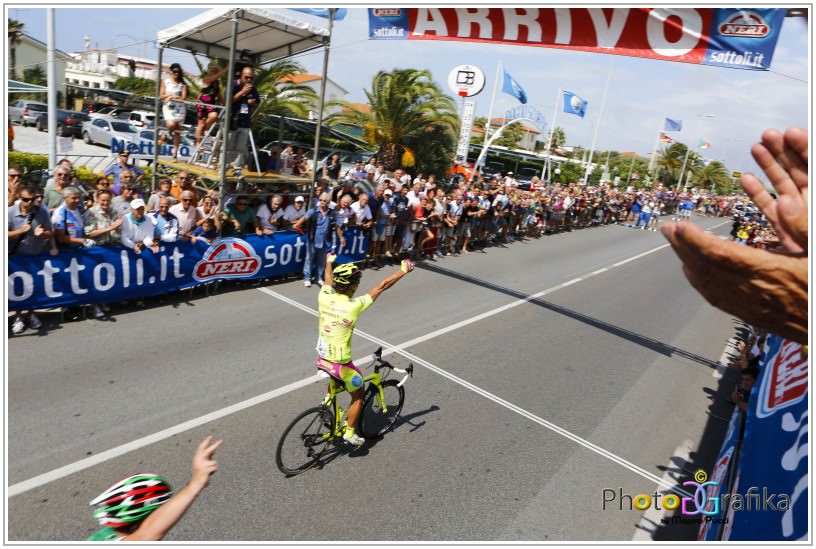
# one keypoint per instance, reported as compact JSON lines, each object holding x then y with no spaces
{"x":26,"y":112}
{"x":103,"y":130}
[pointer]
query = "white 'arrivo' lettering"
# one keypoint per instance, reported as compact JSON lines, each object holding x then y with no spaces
{"x":27,"y":282}
{"x":563,"y":25}
{"x":514,"y":20}
{"x":429,"y":19}
{"x":691,"y":23}
{"x":608,"y":34}
{"x":73,"y":268}
{"x":474,"y":16}
{"x":110,"y":277}
{"x":47,"y":273}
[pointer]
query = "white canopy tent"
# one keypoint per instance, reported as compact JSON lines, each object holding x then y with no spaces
{"x":253,"y":35}
{"x":263,"y":35}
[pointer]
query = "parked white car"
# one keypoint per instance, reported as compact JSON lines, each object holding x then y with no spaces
{"x":102,"y":130}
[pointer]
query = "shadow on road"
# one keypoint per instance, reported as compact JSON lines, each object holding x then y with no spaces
{"x":644,"y":341}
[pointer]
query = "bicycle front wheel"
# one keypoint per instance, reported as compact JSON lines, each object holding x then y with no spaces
{"x":377,"y":419}
{"x":305,"y":440}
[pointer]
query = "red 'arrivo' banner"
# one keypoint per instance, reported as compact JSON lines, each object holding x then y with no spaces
{"x":670,"y":34}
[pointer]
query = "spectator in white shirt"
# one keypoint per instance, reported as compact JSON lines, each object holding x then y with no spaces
{"x":139,"y":230}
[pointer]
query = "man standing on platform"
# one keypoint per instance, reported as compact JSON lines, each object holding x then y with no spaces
{"x":244,"y":100}
{"x":122,"y":165}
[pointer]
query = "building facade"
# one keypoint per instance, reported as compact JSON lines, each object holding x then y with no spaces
{"x":32,"y":55}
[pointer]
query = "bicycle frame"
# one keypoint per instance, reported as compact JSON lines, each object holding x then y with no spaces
{"x":375,"y":379}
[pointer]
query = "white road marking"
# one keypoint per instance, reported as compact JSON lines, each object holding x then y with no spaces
{"x":106,"y":455}
{"x":650,"y":521}
{"x":102,"y":457}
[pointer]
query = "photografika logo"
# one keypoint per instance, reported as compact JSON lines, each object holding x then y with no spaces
{"x":697,"y":500}
{"x":701,"y":497}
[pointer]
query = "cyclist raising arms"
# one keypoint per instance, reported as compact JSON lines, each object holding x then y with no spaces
{"x":339,"y":312}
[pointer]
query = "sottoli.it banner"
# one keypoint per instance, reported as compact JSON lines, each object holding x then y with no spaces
{"x":772,"y":477}
{"x":114,"y":273}
{"x":723,"y":37}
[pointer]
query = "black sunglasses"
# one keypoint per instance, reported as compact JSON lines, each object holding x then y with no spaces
{"x":24,"y":199}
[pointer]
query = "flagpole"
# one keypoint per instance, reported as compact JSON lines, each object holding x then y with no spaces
{"x":483,"y":154}
{"x":683,"y":169}
{"x":653,"y":161}
{"x":598,"y":125}
{"x":552,"y":130}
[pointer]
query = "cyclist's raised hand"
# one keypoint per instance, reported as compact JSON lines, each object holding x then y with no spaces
{"x":330,"y":257}
{"x":406,"y":266}
{"x":203,"y":463}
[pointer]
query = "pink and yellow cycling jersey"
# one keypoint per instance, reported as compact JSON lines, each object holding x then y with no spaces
{"x":338,"y":316}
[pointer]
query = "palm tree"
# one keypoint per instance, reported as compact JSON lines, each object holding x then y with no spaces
{"x":403,"y":104}
{"x":670,"y":162}
{"x":15,"y":34}
{"x":283,"y":96}
{"x":716,"y":176}
{"x":559,"y":138}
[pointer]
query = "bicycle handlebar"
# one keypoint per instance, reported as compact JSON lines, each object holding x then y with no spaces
{"x":379,"y":363}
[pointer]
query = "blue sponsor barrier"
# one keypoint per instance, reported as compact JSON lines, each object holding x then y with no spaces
{"x":114,"y":273}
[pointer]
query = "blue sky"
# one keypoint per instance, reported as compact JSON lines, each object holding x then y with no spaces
{"x":642,"y":92}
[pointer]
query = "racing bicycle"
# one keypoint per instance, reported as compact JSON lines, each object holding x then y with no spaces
{"x":311,"y":433}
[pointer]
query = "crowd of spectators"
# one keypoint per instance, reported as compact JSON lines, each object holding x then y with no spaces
{"x":403,"y":215}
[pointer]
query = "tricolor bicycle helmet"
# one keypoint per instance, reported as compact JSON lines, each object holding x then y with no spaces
{"x":346,"y":274}
{"x":131,"y":499}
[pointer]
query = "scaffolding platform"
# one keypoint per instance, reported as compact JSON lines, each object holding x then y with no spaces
{"x":210,"y":177}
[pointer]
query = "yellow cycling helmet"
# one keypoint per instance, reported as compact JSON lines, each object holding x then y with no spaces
{"x":346,"y":274}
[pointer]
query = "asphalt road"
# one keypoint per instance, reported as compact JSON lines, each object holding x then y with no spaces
{"x":546,"y":372}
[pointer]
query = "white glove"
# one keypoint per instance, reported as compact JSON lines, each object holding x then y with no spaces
{"x":89,"y":243}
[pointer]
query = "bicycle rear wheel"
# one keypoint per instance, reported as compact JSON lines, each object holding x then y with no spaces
{"x":305,"y":440}
{"x":374,"y":421}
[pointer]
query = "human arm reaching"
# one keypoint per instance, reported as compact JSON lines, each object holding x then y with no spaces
{"x":405,"y":267}
{"x":160,"y":521}
{"x":766,"y":289}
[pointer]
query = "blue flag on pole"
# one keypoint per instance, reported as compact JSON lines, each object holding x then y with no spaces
{"x":339,"y":14}
{"x":513,"y":88}
{"x":673,"y":125}
{"x":574,"y":104}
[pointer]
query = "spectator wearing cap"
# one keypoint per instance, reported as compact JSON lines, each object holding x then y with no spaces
{"x":187,"y":214}
{"x":294,"y":211}
{"x":139,"y":230}
{"x":121,"y":203}
{"x":118,"y":167}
